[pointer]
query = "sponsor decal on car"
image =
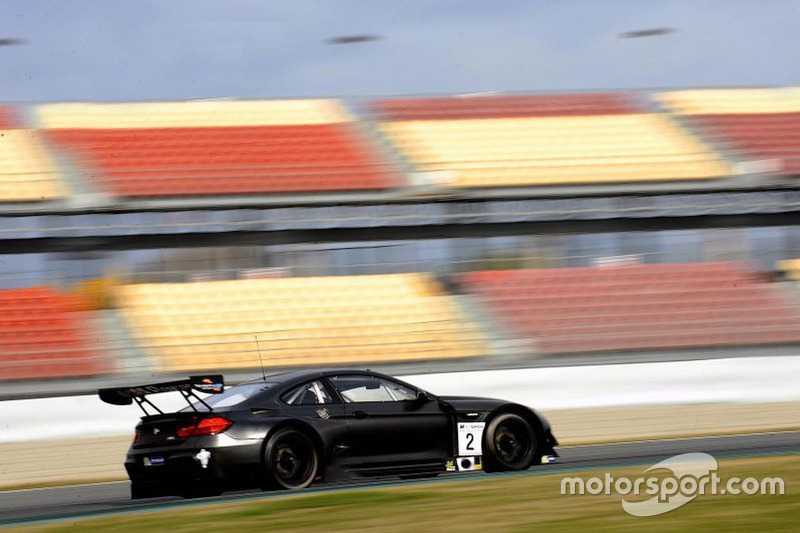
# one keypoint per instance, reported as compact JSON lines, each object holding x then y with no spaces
{"x":208,"y":385}
{"x":463,"y":464}
{"x":203,"y":456}
{"x":153,"y":461}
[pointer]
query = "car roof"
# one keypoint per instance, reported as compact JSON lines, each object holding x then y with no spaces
{"x":300,"y":375}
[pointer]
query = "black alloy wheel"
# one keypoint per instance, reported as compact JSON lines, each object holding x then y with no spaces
{"x":510,"y":443}
{"x":291,"y":459}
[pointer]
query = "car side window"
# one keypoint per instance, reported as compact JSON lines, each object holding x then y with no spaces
{"x":311,"y":393}
{"x":354,"y":388}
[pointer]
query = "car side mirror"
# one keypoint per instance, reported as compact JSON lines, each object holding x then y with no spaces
{"x":422,"y":397}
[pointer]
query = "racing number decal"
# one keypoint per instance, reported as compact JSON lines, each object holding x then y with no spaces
{"x":470,"y":438}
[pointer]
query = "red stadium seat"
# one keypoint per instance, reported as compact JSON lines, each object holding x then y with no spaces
{"x":637,"y":307}
{"x":228,"y":160}
{"x":43,"y":335}
{"x":8,"y":118}
{"x":503,"y":106}
{"x":757,"y":136}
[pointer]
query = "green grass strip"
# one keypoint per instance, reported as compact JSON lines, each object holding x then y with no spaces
{"x":479,"y":504}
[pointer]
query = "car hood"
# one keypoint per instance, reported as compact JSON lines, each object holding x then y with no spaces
{"x":473,"y":403}
{"x":468,"y":406}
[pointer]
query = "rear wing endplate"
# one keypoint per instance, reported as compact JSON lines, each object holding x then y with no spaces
{"x":212,"y":384}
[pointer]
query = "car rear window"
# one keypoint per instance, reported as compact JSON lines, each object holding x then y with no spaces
{"x":232,"y":396}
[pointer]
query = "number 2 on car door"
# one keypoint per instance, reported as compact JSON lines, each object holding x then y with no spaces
{"x":470,"y":436}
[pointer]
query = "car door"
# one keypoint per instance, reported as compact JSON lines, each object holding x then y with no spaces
{"x":389,"y":425}
{"x":318,"y":404}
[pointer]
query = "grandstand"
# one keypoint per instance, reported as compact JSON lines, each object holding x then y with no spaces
{"x":459,"y":276}
{"x":212,"y":148}
{"x":217,"y":147}
{"x":490,"y":141}
{"x":46,"y":333}
{"x":638,"y":307}
{"x":758,"y":124}
{"x":300,"y":321}
{"x":28,"y":172}
{"x":791,"y":268}
{"x":8,"y":119}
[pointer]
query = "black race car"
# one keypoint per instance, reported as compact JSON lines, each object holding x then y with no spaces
{"x":293,"y":429}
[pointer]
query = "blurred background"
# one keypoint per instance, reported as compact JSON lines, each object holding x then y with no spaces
{"x":417,"y":187}
{"x":144,"y":238}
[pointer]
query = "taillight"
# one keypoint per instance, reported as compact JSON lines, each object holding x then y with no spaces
{"x":207,"y":426}
{"x":137,"y":436}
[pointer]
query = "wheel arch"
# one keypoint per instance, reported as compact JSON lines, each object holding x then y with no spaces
{"x":308,"y":430}
{"x":529,"y":415}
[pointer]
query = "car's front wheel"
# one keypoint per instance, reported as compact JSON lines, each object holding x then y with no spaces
{"x":510,"y":443}
{"x":291,"y":460}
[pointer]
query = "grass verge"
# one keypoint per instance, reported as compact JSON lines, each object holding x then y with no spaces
{"x":508,"y":503}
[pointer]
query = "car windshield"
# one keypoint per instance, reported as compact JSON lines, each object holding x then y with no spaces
{"x":232,"y":396}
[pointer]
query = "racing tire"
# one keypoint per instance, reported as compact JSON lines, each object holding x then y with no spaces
{"x":291,"y":460}
{"x":510,"y":444}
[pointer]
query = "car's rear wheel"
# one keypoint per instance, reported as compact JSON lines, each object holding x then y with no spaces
{"x":291,"y":460}
{"x":510,"y":443}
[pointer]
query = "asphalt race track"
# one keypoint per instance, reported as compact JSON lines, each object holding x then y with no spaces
{"x":25,"y":506}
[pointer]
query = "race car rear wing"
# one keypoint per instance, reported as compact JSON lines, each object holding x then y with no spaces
{"x":212,"y":384}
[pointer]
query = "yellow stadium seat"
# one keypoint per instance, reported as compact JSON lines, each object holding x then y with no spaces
{"x":791,"y":267}
{"x":732,"y":101}
{"x":27,"y":171}
{"x":345,"y":319}
{"x":191,"y":114}
{"x":556,"y":150}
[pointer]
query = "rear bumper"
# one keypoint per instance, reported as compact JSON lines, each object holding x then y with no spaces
{"x":217,"y":460}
